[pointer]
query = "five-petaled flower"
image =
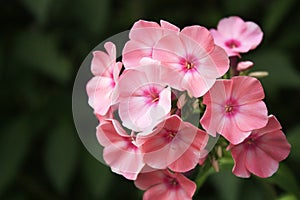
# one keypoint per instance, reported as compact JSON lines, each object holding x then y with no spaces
{"x":143,"y":37}
{"x":101,"y":87}
{"x":236,"y":36}
{"x":180,"y":143}
{"x":165,"y":185}
{"x":120,"y":150}
{"x":261,"y":151}
{"x":234,"y":108}
{"x":193,"y":60}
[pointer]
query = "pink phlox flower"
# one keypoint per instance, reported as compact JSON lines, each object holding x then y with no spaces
{"x":144,"y":99}
{"x":234,"y":108}
{"x":106,"y":74}
{"x":143,"y":36}
{"x":165,"y":185}
{"x":260,"y":153}
{"x":193,"y":60}
{"x":174,"y":144}
{"x":236,"y":36}
{"x":120,"y":150}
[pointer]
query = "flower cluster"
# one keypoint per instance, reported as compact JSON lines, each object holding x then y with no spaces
{"x":168,"y":76}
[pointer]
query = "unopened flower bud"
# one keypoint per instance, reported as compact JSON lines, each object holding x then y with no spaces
{"x":244,"y":65}
{"x":219,"y":152}
{"x":181,"y":101}
{"x":215,"y":164}
{"x":259,"y":74}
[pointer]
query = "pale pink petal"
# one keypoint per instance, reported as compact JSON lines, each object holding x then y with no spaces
{"x":190,"y":158}
{"x":99,"y":90}
{"x":201,"y":35}
{"x":133,"y":52}
{"x":145,"y":32}
{"x":144,"y":24}
{"x":252,"y":37}
{"x":219,"y":93}
{"x":197,"y":84}
{"x":170,"y":49}
{"x":215,"y":65}
{"x":169,"y":26}
{"x":247,"y":89}
{"x":260,"y":163}
{"x":231,"y":27}
{"x":135,"y":114}
{"x":125,"y":162}
{"x":130,"y":82}
{"x":239,"y":154}
{"x":111,"y":50}
{"x":101,"y":62}
{"x":213,"y":118}
{"x":232,"y":132}
{"x":119,"y":152}
{"x":251,"y":116}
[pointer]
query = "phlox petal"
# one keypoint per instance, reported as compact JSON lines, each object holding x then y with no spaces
{"x":201,"y":35}
{"x":260,"y":163}
{"x":240,"y":155}
{"x":99,"y":90}
{"x":247,"y":89}
{"x":232,"y":132}
{"x":120,"y":153}
{"x":251,"y":116}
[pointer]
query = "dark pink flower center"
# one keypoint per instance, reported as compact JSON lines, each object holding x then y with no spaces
{"x":188,"y":64}
{"x":232,"y":44}
{"x":172,"y":183}
{"x":228,"y":108}
{"x":131,"y":143}
{"x":231,"y":107}
{"x":152,"y":95}
{"x":169,"y":134}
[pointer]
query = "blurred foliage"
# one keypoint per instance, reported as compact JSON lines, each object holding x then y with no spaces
{"x":42,"y":45}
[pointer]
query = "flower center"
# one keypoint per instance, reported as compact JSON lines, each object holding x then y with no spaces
{"x":232,"y":44}
{"x":173,"y":182}
{"x":228,"y":108}
{"x":189,"y":65}
{"x":250,"y":141}
{"x":155,"y":98}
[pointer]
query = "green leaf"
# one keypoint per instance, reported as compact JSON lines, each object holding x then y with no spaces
{"x":40,"y":52}
{"x":14,"y":144}
{"x":285,"y":179}
{"x":61,"y":155}
{"x":281,"y":71}
{"x":98,"y":177}
{"x":38,"y":8}
{"x":276,"y":14}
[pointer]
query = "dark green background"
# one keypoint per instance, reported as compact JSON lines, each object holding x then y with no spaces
{"x":42,"y":44}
